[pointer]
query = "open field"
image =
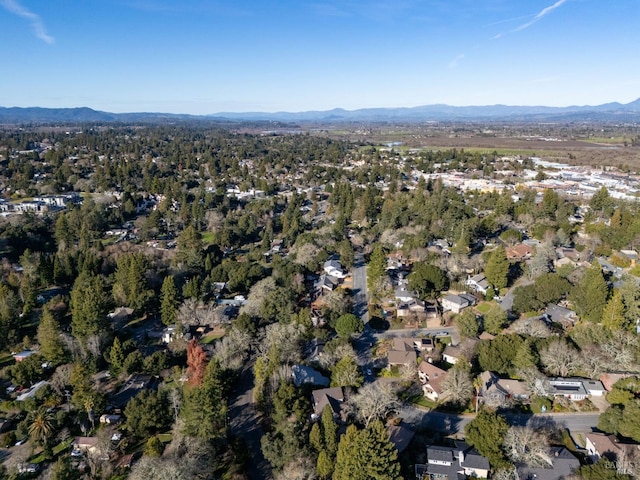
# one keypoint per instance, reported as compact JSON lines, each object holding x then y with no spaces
{"x":575,"y":144}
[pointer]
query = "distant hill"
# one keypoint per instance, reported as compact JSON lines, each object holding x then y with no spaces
{"x":608,"y":112}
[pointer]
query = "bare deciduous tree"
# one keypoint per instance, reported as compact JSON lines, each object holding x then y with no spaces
{"x":529,"y":446}
{"x":232,"y":349}
{"x":457,"y":386}
{"x":537,"y":384}
{"x":559,"y":358}
{"x":258,"y":293}
{"x":532,"y":327}
{"x":302,"y":468}
{"x":374,"y":401}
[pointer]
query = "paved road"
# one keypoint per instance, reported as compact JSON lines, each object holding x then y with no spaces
{"x":451,"y":423}
{"x":360,"y":296}
{"x":244,"y":423}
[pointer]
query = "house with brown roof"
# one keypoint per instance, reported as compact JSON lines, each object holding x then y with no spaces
{"x":519,"y":252}
{"x":432,"y":379}
{"x":333,"y":397}
{"x":602,"y":445}
{"x":496,"y":391}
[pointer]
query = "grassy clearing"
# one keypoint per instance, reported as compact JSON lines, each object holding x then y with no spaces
{"x":213,"y":336}
{"x":422,"y":401}
{"x":208,"y":238}
{"x":484,"y":307}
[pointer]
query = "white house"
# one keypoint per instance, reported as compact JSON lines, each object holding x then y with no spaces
{"x":334,"y":268}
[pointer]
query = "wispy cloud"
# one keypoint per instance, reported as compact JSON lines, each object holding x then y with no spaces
{"x":36,"y":22}
{"x":456,"y":61}
{"x":536,"y":18}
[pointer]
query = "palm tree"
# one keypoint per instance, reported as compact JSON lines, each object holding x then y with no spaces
{"x":41,"y":427}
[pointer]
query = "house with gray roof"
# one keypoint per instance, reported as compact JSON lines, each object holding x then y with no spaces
{"x":452,"y":463}
{"x":564,"y":464}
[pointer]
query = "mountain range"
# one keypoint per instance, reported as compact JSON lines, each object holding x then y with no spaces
{"x":608,"y":112}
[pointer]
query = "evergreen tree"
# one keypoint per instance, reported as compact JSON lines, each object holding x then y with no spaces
{"x":330,"y":431}
{"x":89,"y":306}
{"x":486,"y":433}
{"x":467,"y":324}
{"x":345,"y":373}
{"x":116,"y":357}
{"x":189,"y":250}
{"x":426,"y":279}
{"x":613,"y":313}
{"x":130,"y":285}
{"x":324,"y":466}
{"x":590,"y":295}
{"x":497,"y":269}
{"x":376,"y":266}
{"x":169,"y":301}
{"x":51,"y":345}
{"x":204,"y":410}
{"x":366,"y":454}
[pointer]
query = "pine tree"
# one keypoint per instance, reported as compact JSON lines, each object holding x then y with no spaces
{"x":497,"y":269}
{"x":116,"y":357}
{"x":169,"y":301}
{"x":613,"y":313}
{"x":89,"y":305}
{"x":324,"y":466}
{"x":204,"y":410}
{"x":590,"y":295}
{"x":51,"y":345}
{"x":315,"y":437}
{"x":330,"y":431}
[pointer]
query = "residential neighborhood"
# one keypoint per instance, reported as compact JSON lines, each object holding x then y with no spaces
{"x":462,"y":315}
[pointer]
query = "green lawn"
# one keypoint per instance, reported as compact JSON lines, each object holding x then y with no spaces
{"x":484,"y":307}
{"x":208,"y":237}
{"x":213,"y":336}
{"x":422,"y":401}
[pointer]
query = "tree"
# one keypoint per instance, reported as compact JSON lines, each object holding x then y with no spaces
{"x":494,"y":320}
{"x":348,"y":324}
{"x":426,"y":279}
{"x":49,"y":338}
{"x":169,"y":301}
{"x":559,"y":358}
{"x":366,"y":454}
{"x":374,"y":401}
{"x":590,"y":295}
{"x":486,"y":433}
{"x":116,"y":357}
{"x":42,"y":426}
{"x":197,"y":361}
{"x":189,"y":250}
{"x":130,"y":281}
{"x":497,"y":268}
{"x":457,"y":386}
{"x":204,"y":410}
{"x":498,"y":355}
{"x":154,"y":447}
{"x":468,"y":324}
{"x":89,"y":306}
{"x":601,"y":203}
{"x":345,"y":373}
{"x":376,"y":266}
{"x":147,"y":413}
{"x":613,"y":313}
{"x":529,"y":446}
{"x":330,"y":431}
{"x":324,"y":466}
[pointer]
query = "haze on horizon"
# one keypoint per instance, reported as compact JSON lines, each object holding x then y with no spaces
{"x":209,"y":56}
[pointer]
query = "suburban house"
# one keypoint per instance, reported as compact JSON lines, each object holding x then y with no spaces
{"x":602,"y":445}
{"x":333,"y":268}
{"x":564,"y":316}
{"x":401,"y":357}
{"x":327,"y":283}
{"x":564,"y":463}
{"x":333,"y":397}
{"x":85,"y":444}
{"x":478,"y":283}
{"x":496,"y":391}
{"x":452,"y":463}
{"x":411,"y":344}
{"x":457,"y":303}
{"x":120,"y":315}
{"x":576,"y":388}
{"x":432,"y":379}
{"x":519,"y":253}
{"x":20,"y":356}
{"x":303,"y":375}
{"x":464,"y":350}
{"x":403,"y":294}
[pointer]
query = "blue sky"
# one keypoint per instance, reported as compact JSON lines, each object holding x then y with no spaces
{"x":208,"y":56}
